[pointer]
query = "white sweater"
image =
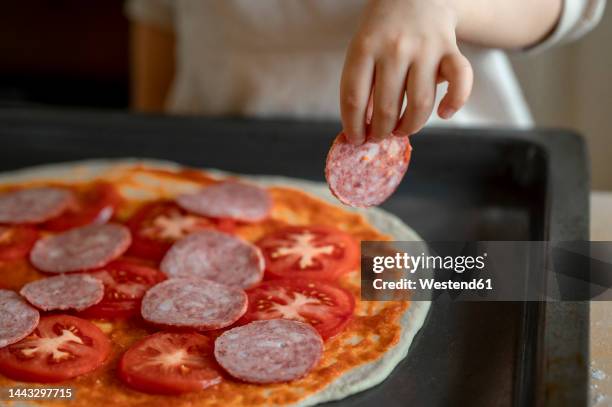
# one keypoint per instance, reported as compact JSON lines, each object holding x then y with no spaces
{"x":283,"y":58}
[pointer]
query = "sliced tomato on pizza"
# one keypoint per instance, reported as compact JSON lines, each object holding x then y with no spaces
{"x":324,"y":305}
{"x":125,"y":283}
{"x":157,"y":225}
{"x":318,"y":252}
{"x":170,"y":363}
{"x":95,"y":203}
{"x":60,"y":348}
{"x":16,"y":241}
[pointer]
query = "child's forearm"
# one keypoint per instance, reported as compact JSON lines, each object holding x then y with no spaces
{"x":510,"y":24}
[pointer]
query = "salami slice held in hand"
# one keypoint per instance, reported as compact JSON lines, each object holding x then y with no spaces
{"x":64,"y":292}
{"x":34,"y":205}
{"x":83,"y":248}
{"x":366,"y":175}
{"x":272,"y":351}
{"x":215,"y":256}
{"x":230,"y":199}
{"x":60,"y":348}
{"x":193,"y":303}
{"x":170,"y":363}
{"x":17,"y":318}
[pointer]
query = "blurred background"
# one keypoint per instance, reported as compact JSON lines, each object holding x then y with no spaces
{"x":76,"y":53}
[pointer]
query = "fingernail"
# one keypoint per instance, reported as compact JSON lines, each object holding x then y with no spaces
{"x":400,"y":134}
{"x":447,"y":113}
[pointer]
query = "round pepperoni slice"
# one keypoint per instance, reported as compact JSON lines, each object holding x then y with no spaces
{"x":60,"y":348}
{"x":17,"y":318}
{"x":34,"y":205}
{"x":234,"y":200}
{"x":325,"y":306}
{"x":170,"y":363}
{"x":125,"y":283}
{"x":16,"y":242}
{"x":64,"y":292}
{"x":193,"y":303}
{"x":82,"y":248}
{"x":215,"y":256}
{"x":95,"y":203}
{"x":317,"y":252}
{"x":368,"y":174}
{"x":272,"y":351}
{"x":157,"y":225}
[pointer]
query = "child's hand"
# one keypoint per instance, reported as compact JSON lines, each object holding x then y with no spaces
{"x":402,"y":47}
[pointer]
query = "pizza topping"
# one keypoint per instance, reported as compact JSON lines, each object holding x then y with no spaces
{"x":170,"y":363}
{"x":215,"y":256}
{"x":172,"y":227}
{"x":230,"y":199}
{"x":5,"y":235}
{"x":33,"y":205}
{"x":64,"y":292}
{"x":309,"y":251}
{"x":368,"y":174}
{"x":17,"y":318}
{"x":82,"y":248}
{"x":156,"y":226}
{"x":125,"y":283}
{"x":16,"y":241}
{"x":60,"y":348}
{"x":325,"y":306}
{"x":272,"y":351}
{"x":304,"y":247}
{"x":193,"y":303}
{"x":53,"y":346}
{"x":95,"y":203}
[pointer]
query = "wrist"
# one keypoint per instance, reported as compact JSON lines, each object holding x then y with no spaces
{"x":461,"y":10}
{"x":453,"y":9}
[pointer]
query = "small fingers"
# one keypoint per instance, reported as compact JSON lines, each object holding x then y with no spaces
{"x":388,"y":95}
{"x":421,"y":94}
{"x":355,"y":89}
{"x":457,"y":70}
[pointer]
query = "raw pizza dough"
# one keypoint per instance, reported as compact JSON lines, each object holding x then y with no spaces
{"x":351,"y":382}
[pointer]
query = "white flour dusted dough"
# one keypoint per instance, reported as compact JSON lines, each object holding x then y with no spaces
{"x":354,"y":381}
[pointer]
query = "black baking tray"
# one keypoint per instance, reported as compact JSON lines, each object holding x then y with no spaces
{"x":462,"y":185}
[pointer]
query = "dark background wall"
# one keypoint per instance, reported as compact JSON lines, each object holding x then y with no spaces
{"x":64,"y":52}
